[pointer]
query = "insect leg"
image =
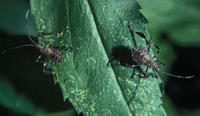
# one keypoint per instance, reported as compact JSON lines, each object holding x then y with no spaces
{"x":163,"y":89}
{"x":45,"y":70}
{"x":163,"y":92}
{"x":27,"y":29}
{"x":133,"y":73}
{"x":39,"y":57}
{"x":145,"y":73}
{"x":148,"y":42}
{"x":157,"y":52}
{"x":155,"y":74}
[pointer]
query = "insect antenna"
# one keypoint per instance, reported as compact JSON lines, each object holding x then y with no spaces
{"x":21,"y":46}
{"x":27,"y":29}
{"x":26,"y":45}
{"x":172,"y":75}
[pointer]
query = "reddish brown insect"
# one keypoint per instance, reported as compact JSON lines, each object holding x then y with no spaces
{"x":52,"y":54}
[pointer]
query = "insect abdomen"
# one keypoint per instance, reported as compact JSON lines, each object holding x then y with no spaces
{"x":56,"y":57}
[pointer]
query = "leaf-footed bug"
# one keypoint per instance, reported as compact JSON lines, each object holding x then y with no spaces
{"x":141,"y":56}
{"x":51,"y":54}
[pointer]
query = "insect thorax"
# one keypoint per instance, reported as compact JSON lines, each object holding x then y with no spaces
{"x":55,"y":56}
{"x":43,"y":49}
{"x":141,"y":55}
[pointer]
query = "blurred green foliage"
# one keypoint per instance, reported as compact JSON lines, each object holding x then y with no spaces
{"x":12,"y":16}
{"x":12,"y":19}
{"x":13,"y":100}
{"x":180,"y":19}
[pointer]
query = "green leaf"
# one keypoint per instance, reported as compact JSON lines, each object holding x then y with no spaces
{"x":94,"y":28}
{"x":179,"y":18}
{"x":11,"y":99}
